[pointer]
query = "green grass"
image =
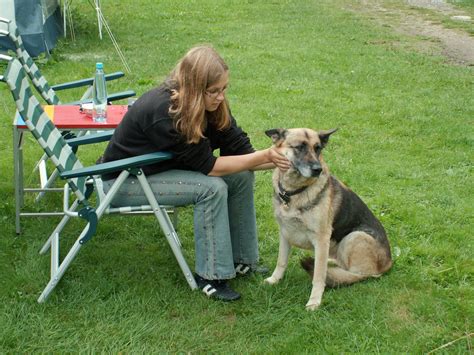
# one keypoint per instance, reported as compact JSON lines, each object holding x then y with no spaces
{"x":405,"y":145}
{"x":467,"y":4}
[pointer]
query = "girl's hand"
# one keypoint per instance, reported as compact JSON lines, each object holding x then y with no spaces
{"x":277,"y":158}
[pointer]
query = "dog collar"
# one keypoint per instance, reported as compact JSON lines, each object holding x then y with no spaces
{"x":286,"y":195}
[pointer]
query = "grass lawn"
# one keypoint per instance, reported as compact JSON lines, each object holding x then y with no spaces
{"x":405,"y":145}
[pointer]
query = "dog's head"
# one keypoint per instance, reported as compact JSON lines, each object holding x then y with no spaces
{"x":302,"y":147}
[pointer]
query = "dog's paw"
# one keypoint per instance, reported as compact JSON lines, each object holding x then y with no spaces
{"x":271,"y":280}
{"x":312,"y":305}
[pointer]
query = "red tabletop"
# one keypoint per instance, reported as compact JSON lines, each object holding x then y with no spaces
{"x":72,"y":117}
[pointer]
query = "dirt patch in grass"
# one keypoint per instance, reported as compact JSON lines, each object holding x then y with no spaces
{"x":455,"y":44}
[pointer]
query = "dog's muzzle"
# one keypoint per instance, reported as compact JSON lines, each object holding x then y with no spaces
{"x":308,"y":170}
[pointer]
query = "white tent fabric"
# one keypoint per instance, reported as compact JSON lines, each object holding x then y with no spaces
{"x":39,"y":23}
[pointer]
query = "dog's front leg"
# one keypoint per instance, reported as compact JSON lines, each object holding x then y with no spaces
{"x":283,"y":255}
{"x":321,"y":255}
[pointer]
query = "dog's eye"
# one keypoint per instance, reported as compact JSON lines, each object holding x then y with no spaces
{"x":318,"y":148}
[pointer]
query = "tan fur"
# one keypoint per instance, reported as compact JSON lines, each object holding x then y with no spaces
{"x":306,"y":221}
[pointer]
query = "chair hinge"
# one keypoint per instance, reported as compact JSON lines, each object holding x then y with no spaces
{"x":135,"y":171}
{"x":89,"y":187}
{"x":88,"y":213}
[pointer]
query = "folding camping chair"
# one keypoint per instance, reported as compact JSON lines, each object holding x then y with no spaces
{"x":83,"y":180}
{"x":49,"y":93}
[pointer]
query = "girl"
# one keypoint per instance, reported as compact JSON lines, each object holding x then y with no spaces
{"x":189,"y":116}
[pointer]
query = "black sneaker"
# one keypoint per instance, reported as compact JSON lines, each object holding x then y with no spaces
{"x":218,"y":289}
{"x":245,"y":269}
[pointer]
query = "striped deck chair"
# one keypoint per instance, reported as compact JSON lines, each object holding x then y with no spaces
{"x":82,"y":181}
{"x":49,"y":93}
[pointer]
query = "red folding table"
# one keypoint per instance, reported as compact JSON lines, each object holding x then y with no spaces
{"x":65,"y":118}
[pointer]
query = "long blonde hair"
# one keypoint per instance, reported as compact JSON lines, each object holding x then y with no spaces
{"x":199,"y":69}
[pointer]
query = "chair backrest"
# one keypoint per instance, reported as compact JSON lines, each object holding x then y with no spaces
{"x":38,"y":80}
{"x":40,"y":125}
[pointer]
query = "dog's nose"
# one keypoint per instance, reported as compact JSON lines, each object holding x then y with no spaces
{"x":316,"y":170}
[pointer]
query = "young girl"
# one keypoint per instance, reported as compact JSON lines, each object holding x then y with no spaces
{"x":189,"y":116}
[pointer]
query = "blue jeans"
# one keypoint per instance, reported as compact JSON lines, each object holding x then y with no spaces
{"x":225,"y":230}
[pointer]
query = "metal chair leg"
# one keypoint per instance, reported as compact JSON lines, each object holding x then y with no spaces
{"x":168,"y":229}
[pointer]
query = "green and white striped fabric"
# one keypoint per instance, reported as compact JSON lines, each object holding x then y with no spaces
{"x":38,"y":122}
{"x":31,"y":68}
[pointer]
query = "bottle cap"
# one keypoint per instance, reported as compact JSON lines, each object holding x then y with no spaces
{"x":99,"y":66}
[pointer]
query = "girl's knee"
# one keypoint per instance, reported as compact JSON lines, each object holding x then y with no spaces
{"x":242,"y":179}
{"x":216,"y":186}
{"x":247,"y":176}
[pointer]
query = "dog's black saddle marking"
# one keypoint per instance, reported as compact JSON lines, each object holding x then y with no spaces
{"x":286,"y":195}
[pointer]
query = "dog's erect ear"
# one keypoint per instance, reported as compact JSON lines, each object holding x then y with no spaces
{"x":276,"y":134}
{"x":324,"y":135}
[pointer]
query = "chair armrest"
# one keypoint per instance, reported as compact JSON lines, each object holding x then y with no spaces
{"x":112,"y":97}
{"x":121,"y":95}
{"x":85,"y":82}
{"x":90,"y":139}
{"x":117,"y":165}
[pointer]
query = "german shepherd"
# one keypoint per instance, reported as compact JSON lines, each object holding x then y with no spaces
{"x":318,"y":212}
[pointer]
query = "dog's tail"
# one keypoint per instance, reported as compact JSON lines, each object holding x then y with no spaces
{"x":336,"y":275}
{"x":308,"y":264}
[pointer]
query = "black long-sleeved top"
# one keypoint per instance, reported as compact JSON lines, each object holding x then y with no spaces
{"x":147,"y":127}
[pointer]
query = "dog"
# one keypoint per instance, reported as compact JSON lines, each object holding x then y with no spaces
{"x":316,"y":211}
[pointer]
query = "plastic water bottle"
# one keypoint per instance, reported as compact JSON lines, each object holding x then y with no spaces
{"x":99,"y":107}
